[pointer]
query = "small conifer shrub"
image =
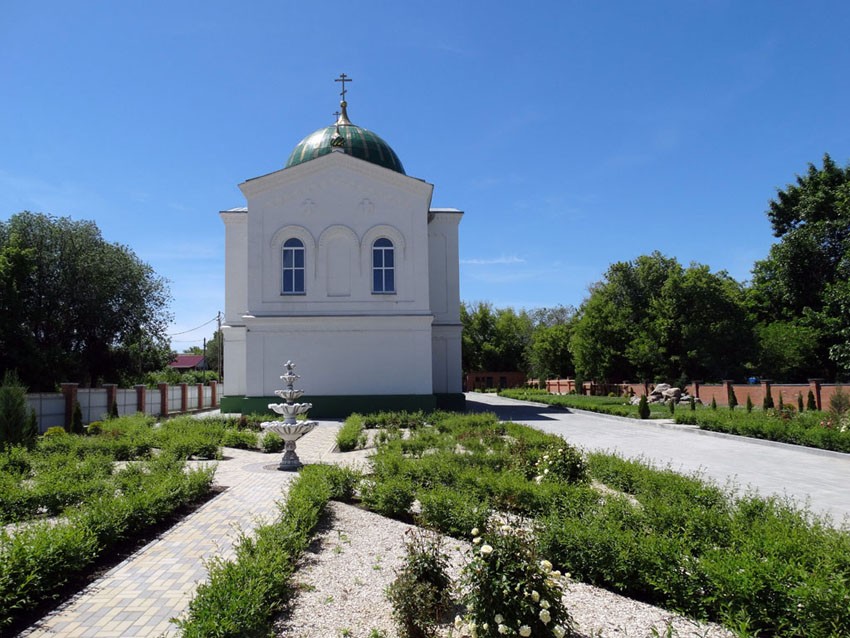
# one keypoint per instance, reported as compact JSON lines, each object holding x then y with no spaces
{"x":749,"y":404}
{"x":643,"y":407}
{"x":713,"y":403}
{"x":733,"y":400}
{"x":800,"y":402}
{"x":693,"y":403}
{"x":810,"y":401}
{"x":77,"y":419}
{"x":781,"y":403}
{"x":672,"y":406}
{"x":767,"y":404}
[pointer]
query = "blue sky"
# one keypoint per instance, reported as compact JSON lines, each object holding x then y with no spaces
{"x":572,"y":134}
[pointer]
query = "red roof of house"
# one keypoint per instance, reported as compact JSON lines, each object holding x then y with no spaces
{"x":187,"y":361}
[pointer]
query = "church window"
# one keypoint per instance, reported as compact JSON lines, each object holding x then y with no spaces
{"x":293,"y":267}
{"x":383,"y":266}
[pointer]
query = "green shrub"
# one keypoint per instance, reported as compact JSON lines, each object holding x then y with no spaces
{"x":349,"y":433}
{"x":839,"y":402}
{"x":14,"y":417}
{"x":272,"y":443}
{"x":55,"y":430}
{"x":767,"y":404}
{"x":562,"y":462}
{"x":93,"y":428}
{"x":511,"y":589}
{"x":420,"y":594}
{"x":77,"y":419}
{"x":240,"y":439}
{"x":391,"y":497}
{"x":643,"y":407}
{"x":451,"y":511}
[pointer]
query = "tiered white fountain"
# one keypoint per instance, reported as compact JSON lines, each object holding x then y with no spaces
{"x":290,"y":430}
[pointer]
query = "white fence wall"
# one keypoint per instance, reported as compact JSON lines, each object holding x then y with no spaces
{"x":50,"y":406}
{"x":49,"y":409}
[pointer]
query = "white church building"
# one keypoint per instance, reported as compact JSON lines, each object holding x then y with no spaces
{"x":339,"y":263}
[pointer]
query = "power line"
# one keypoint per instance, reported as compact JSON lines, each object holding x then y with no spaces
{"x":193,"y":329}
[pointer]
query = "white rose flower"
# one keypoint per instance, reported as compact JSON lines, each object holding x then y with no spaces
{"x":486,"y":549}
{"x":475,"y":531}
{"x":545,"y":565}
{"x":476,"y":540}
{"x":559,"y":631}
{"x":498,"y":618}
{"x":545,"y":616}
{"x":525,"y":630}
{"x":458,"y":622}
{"x":544,"y":604}
{"x":535,"y":596}
{"x":503,"y":629}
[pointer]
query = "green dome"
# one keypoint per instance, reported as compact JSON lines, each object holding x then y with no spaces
{"x":354,"y":140}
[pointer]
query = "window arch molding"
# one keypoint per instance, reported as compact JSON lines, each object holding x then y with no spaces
{"x":310,"y":255}
{"x":384,"y":231}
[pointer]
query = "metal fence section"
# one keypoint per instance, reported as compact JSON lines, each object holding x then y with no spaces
{"x":49,"y":409}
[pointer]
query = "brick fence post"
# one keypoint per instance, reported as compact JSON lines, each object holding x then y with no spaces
{"x":184,"y":397}
{"x":141,"y":398}
{"x":200,"y":393}
{"x":214,"y":394}
{"x":111,"y":395}
{"x":814,"y":386}
{"x":163,"y":399}
{"x":69,"y":390}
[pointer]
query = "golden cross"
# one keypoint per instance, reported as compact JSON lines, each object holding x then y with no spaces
{"x":343,"y":78}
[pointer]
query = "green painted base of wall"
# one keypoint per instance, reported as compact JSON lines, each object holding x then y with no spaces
{"x":451,"y":402}
{"x":339,"y":407}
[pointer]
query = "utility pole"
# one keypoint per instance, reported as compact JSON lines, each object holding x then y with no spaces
{"x":220,"y":344}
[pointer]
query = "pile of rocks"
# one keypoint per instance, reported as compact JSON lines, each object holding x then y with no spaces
{"x":665,"y":393}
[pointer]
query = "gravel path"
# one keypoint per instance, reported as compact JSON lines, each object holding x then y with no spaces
{"x":354,"y":556}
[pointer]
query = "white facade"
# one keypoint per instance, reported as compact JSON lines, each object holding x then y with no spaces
{"x":346,"y":337}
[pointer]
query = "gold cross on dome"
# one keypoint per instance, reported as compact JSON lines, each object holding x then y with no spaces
{"x":343,"y":78}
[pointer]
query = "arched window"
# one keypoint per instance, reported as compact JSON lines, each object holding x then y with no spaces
{"x":383,"y":267}
{"x":293,"y":267}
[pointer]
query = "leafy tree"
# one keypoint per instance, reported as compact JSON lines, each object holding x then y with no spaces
{"x":652,"y":319}
{"x":494,"y":339}
{"x":75,"y":307}
{"x":804,"y":278}
{"x":549,"y":352}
